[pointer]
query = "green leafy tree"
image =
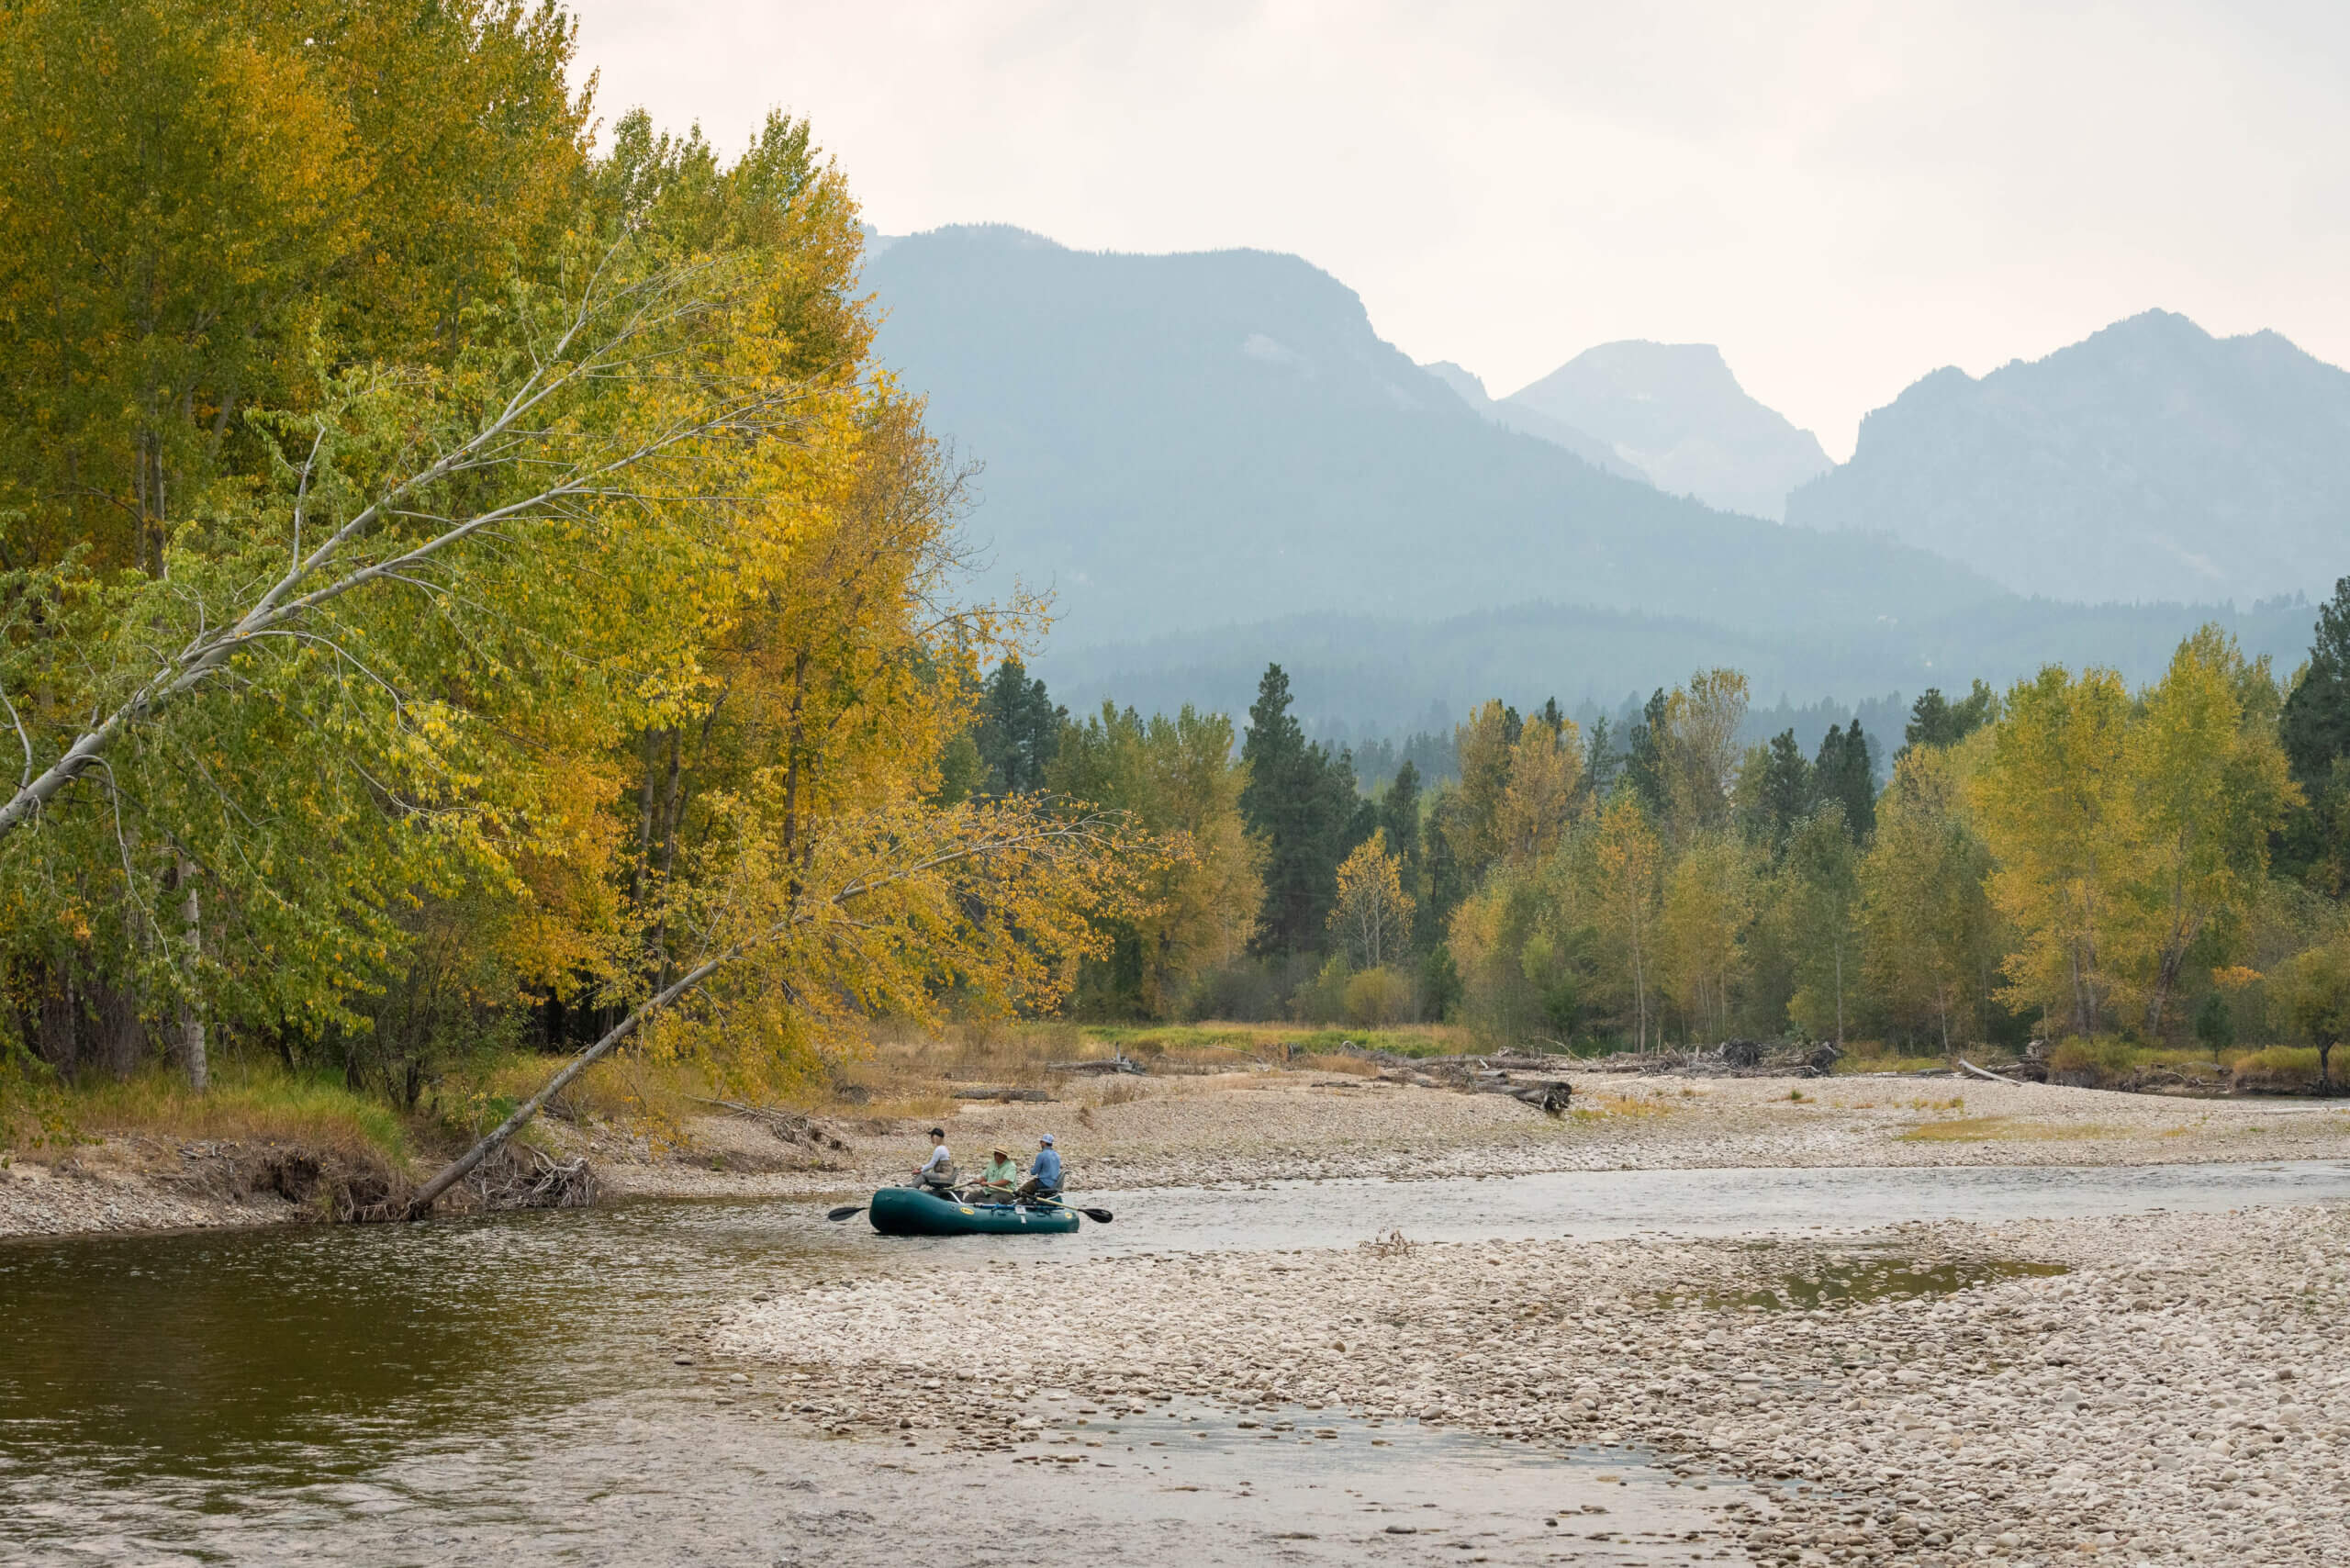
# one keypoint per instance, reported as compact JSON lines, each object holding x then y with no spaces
{"x":2317,"y":999}
{"x":1175,"y":779}
{"x":1821,"y":901}
{"x":1926,"y":921}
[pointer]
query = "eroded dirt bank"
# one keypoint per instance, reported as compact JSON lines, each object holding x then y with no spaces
{"x":2168,"y":1390}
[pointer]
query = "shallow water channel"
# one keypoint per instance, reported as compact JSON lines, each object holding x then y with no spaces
{"x":499,"y":1389}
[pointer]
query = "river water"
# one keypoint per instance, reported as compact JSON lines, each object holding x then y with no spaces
{"x":503,"y":1389}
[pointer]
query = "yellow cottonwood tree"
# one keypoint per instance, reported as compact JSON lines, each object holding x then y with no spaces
{"x":1372,"y":914}
{"x":1699,"y":751}
{"x":1708,"y":902}
{"x":2211,"y":783}
{"x":1546,"y":766}
{"x":1626,"y":863}
{"x":1925,"y":918}
{"x":2056,"y":804}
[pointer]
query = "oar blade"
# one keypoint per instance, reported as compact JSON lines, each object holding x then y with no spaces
{"x":843,"y":1213}
{"x":1099,"y":1216}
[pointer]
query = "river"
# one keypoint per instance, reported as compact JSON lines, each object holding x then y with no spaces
{"x":505,"y":1389}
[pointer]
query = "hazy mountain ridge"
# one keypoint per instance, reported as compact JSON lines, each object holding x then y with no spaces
{"x":1470,"y":388}
{"x":2151,"y":461}
{"x":1676,"y":413}
{"x":1174,"y":443}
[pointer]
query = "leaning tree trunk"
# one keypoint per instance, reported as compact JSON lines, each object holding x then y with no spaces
{"x":463,"y":1165}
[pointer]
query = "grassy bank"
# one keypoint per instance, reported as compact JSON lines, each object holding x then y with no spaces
{"x":246,"y":1103}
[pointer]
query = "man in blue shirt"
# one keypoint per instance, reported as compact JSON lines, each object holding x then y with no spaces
{"x":1044,"y":1172}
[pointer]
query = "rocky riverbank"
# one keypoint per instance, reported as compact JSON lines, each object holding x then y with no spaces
{"x":124,"y":1184}
{"x":1310,"y":1124}
{"x":2166,"y":1391}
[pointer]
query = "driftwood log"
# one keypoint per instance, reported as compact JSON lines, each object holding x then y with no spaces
{"x":1097,"y":1065}
{"x":1002,"y":1094}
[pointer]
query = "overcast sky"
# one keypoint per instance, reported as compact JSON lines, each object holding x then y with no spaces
{"x":1842,"y":195}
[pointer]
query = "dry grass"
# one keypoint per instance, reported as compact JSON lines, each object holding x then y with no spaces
{"x":2285,"y":1070}
{"x":246,"y":1104}
{"x":2003,"y":1129}
{"x":1594,"y":1107}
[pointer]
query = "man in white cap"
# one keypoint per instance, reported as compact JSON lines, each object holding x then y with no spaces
{"x":1044,"y":1172}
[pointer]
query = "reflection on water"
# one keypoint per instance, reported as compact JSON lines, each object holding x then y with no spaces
{"x":452,"y":1393}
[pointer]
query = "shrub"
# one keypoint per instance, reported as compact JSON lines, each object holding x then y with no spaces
{"x":2215,"y":1022}
{"x":2093,"y":1062}
{"x":2285,"y":1069}
{"x":1378,"y":996}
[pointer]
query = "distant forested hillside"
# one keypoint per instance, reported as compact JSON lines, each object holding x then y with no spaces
{"x":1387,"y":676}
{"x":2150,"y":462}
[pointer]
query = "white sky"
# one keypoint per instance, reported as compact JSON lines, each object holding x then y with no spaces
{"x":1843,"y":196}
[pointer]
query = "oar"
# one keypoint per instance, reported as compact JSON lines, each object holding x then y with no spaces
{"x":1099,"y":1216}
{"x":844,"y":1212}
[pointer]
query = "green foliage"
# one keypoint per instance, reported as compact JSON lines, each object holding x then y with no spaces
{"x":1174,"y":779}
{"x":2215,"y":1022}
{"x":1299,"y":802}
{"x":1936,"y":720}
{"x":2315,"y":726}
{"x":1782,"y":788}
{"x":1018,"y":732}
{"x":1440,"y":988}
{"x":1844,"y":776}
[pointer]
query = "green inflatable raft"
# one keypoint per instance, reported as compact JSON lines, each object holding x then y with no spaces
{"x":908,"y":1211}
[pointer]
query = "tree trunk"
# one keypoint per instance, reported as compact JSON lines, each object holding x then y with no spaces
{"x":191,"y":1029}
{"x":60,"y":1041}
{"x":1839,"y":995}
{"x":462,"y":1166}
{"x":120,"y":1036}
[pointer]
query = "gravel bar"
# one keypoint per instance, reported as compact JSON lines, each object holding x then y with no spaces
{"x":2164,"y":1391}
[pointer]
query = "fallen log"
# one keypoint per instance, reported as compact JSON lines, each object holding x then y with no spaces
{"x":1984,"y":1072}
{"x":1002,"y":1094}
{"x":1097,"y":1064}
{"x":789,"y":1126}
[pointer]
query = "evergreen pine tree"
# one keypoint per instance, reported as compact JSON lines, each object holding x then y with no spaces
{"x":1936,"y":720}
{"x":1844,"y":776}
{"x":1399,"y":815}
{"x":1644,"y":759}
{"x":1601,"y":760}
{"x":1018,"y":732}
{"x":1787,"y":789}
{"x":1929,"y":720}
{"x":2316,"y":724}
{"x":1302,"y":803}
